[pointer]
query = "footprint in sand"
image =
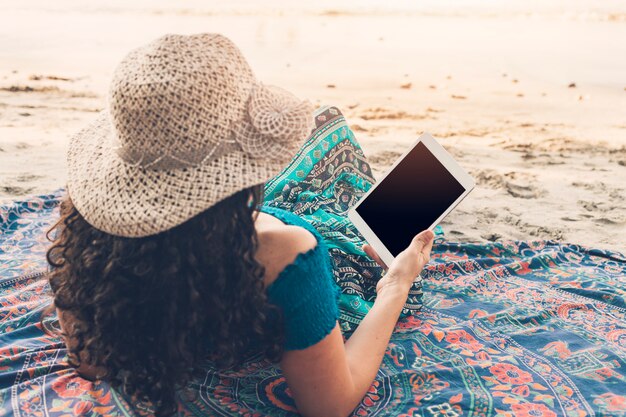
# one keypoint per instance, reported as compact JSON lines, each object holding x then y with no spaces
{"x":492,"y":237}
{"x":522,"y":191}
{"x":559,"y":145}
{"x":516,"y":184}
{"x":381,"y":113}
{"x":548,"y":233}
{"x":598,"y":186}
{"x":36,"y":77}
{"x":542,"y":159}
{"x":477,"y":133}
{"x":588,"y":205}
{"x":604,"y":213}
{"x":384,"y":158}
{"x":358,"y":128}
{"x":30,"y":89}
{"x":522,"y":185}
{"x":610,"y":221}
{"x":489,"y":178}
{"x":51,"y":90}
{"x":13,"y":190}
{"x":28,"y":177}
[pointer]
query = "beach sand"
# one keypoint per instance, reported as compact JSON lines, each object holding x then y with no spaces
{"x":529,"y":97}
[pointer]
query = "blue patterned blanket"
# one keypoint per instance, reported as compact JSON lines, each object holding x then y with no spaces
{"x":526,"y":329}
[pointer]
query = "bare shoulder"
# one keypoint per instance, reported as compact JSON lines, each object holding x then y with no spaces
{"x":279,"y":247}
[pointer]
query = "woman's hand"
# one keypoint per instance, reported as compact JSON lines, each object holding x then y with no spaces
{"x":407,"y":265}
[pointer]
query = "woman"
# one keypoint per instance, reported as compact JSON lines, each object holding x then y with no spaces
{"x":163,"y":256}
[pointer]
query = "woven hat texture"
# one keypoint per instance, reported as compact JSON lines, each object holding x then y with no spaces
{"x":187,"y":125}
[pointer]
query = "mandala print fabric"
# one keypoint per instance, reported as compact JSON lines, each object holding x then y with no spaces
{"x":526,"y":329}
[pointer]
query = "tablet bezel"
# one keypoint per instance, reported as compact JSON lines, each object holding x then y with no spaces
{"x":466,"y":181}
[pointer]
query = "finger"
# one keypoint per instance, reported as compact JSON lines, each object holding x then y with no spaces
{"x":428,"y":247}
{"x":424,"y":255}
{"x":372,"y":254}
{"x":422,"y":239}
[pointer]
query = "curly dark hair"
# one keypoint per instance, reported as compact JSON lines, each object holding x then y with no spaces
{"x":145,"y":311}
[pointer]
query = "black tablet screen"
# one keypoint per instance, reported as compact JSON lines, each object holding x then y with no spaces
{"x":409,"y":199}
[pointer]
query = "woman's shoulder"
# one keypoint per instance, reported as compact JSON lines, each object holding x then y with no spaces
{"x":281,"y":246}
{"x":300,"y":283}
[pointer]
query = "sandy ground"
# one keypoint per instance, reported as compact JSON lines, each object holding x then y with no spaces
{"x":529,"y":97}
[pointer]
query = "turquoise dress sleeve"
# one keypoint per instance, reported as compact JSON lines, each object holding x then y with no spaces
{"x":305,"y":292}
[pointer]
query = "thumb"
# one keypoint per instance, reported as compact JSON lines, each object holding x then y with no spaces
{"x":421,"y":240}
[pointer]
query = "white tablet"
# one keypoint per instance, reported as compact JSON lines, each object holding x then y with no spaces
{"x":419,"y":190}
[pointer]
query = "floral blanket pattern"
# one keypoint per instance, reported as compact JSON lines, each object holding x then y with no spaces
{"x":525,"y":329}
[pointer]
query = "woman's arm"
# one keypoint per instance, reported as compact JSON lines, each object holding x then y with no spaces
{"x":329,"y":378}
{"x":367,"y":345}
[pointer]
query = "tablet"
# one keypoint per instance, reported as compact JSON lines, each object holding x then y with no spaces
{"x":419,"y":190}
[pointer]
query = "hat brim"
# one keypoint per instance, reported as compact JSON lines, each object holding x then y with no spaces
{"x":127,"y":200}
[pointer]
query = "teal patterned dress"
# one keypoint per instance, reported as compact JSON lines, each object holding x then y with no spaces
{"x":325,"y":179}
{"x":505,"y":329}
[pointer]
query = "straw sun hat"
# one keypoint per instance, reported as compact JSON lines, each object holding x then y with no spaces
{"x":187,"y":126}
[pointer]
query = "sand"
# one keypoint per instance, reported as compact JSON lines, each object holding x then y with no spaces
{"x":530,"y":97}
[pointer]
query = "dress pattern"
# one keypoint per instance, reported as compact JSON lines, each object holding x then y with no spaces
{"x":326,"y":178}
{"x":505,"y":329}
